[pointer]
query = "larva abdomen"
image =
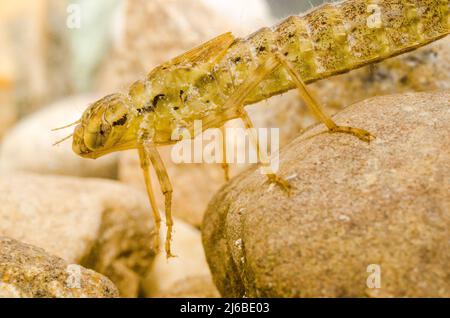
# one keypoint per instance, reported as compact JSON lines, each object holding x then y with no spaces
{"x":338,"y":37}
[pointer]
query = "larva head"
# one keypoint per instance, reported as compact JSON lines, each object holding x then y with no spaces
{"x":103,"y":127}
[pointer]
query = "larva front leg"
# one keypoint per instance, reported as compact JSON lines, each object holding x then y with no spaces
{"x":145,"y":166}
{"x":166,"y":188}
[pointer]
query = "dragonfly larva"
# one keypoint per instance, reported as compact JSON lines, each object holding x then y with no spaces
{"x":214,"y":81}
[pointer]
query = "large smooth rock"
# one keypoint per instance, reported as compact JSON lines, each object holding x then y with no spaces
{"x":28,"y":146}
{"x":100,"y":224}
{"x":29,"y":271}
{"x":187,"y":274}
{"x":354,"y":204}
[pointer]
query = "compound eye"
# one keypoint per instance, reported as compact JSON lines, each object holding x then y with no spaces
{"x":116,"y":114}
{"x":104,"y":121}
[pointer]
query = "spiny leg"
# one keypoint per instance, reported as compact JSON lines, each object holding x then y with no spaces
{"x":145,"y":165}
{"x":225,"y":165}
{"x":236,"y":101}
{"x":166,"y":188}
{"x":315,"y":107}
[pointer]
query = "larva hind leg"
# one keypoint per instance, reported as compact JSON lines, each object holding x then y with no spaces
{"x":166,"y":188}
{"x":315,"y":107}
{"x":236,"y":102}
{"x":145,"y":166}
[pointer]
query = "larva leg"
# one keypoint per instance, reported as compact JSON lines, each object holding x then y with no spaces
{"x":236,"y":101}
{"x":166,"y":188}
{"x":145,"y":165}
{"x":315,"y":107}
{"x":262,"y":157}
{"x":225,"y":165}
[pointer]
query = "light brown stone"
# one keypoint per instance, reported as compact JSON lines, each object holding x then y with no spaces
{"x":354,"y":204}
{"x":28,"y":146}
{"x":192,"y":287}
{"x":187,"y":274}
{"x":8,"y":114}
{"x":27,"y":271}
{"x":100,"y":224}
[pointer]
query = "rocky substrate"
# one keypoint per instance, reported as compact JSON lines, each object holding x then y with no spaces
{"x":187,"y":274}
{"x":100,"y":224}
{"x":27,"y":271}
{"x":354,"y":204}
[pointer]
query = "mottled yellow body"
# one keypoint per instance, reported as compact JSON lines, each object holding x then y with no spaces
{"x":208,"y":82}
{"x":332,"y":39}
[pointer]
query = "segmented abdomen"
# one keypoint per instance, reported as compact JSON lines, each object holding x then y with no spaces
{"x":333,"y":39}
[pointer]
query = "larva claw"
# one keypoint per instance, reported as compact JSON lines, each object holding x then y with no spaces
{"x":362,"y":134}
{"x":282,"y":183}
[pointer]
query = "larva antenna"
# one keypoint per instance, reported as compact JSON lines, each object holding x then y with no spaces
{"x":67,"y":126}
{"x":62,"y":140}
